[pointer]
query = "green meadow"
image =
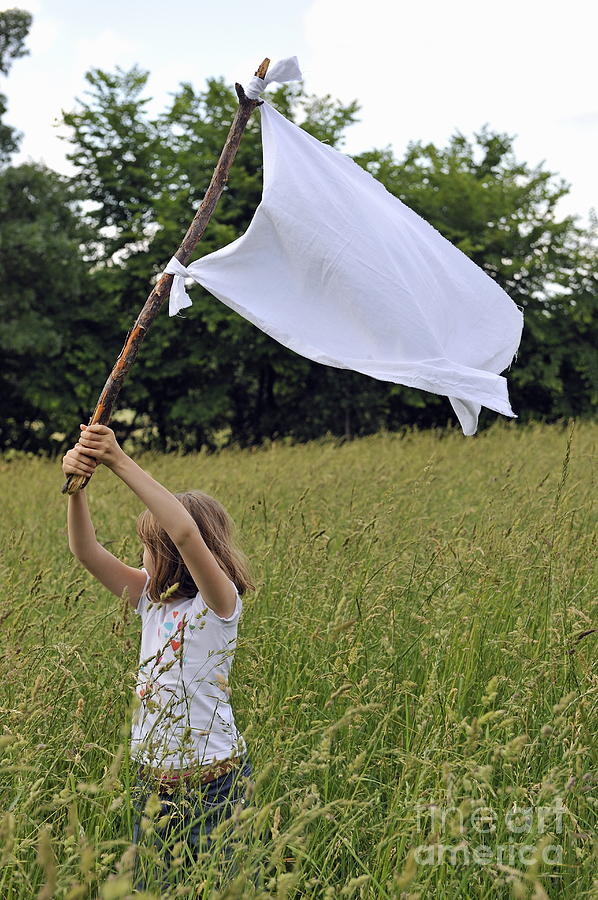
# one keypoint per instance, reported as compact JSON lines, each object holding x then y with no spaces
{"x":415,"y":674}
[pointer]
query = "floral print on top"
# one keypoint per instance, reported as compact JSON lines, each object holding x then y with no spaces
{"x":184,"y":714}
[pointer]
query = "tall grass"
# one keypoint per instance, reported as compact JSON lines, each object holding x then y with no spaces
{"x":417,"y":665}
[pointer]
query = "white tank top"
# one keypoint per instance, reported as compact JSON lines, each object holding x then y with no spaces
{"x":184,"y":716}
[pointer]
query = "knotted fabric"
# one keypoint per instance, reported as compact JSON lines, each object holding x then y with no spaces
{"x":282,"y":71}
{"x":339,"y":270}
{"x":179,"y":298}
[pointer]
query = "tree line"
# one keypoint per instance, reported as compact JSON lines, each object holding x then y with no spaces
{"x":78,"y":255}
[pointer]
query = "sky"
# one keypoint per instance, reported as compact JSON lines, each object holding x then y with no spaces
{"x":420,"y":70}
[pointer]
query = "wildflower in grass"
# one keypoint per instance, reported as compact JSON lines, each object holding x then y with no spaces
{"x":36,"y":687}
{"x":564,"y":703}
{"x":408,"y":873}
{"x":47,"y":860}
{"x":7,"y":838}
{"x":354,"y":885}
{"x":491,"y":691}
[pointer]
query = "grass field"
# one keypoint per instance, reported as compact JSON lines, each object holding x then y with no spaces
{"x":415,"y":677}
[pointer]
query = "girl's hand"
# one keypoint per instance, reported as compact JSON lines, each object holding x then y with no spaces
{"x":75,"y":462}
{"x":99,"y":442}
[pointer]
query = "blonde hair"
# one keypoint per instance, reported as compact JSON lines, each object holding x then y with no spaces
{"x":216,"y":528}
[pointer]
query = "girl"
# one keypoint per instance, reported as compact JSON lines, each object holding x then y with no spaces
{"x":188,"y":594}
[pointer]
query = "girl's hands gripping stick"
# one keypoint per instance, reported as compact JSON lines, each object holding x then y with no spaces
{"x":76,"y":461}
{"x":99,"y":442}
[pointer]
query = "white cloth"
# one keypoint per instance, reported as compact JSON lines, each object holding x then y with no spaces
{"x":192,"y":691}
{"x":339,"y":270}
{"x":282,"y":71}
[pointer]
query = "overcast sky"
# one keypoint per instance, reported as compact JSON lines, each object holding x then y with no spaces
{"x":420,"y":70}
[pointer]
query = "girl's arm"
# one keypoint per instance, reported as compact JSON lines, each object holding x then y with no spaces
{"x":216,"y":588}
{"x":110,"y":571}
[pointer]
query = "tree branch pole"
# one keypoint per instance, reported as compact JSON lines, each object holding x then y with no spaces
{"x":161,"y":290}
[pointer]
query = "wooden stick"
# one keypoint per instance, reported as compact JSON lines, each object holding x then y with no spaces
{"x":156,"y":298}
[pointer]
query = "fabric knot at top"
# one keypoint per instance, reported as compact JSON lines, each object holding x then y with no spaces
{"x":282,"y":71}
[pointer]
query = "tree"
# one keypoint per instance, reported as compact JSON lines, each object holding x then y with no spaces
{"x":65,"y":311}
{"x":50,"y":341}
{"x":14,"y":28}
{"x":117,"y":151}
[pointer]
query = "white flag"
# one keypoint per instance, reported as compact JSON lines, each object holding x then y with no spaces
{"x":339,"y":270}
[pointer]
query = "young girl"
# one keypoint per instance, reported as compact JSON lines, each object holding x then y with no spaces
{"x":188,"y":594}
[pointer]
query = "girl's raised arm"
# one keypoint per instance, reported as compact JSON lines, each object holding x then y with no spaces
{"x":110,"y":571}
{"x":217,"y":590}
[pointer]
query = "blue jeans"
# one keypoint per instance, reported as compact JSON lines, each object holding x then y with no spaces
{"x":194,"y":810}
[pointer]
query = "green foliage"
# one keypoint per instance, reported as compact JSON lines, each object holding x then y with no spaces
{"x":421,"y":638}
{"x":117,"y":153}
{"x":50,"y":336}
{"x":216,"y":378}
{"x":14,"y":28}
